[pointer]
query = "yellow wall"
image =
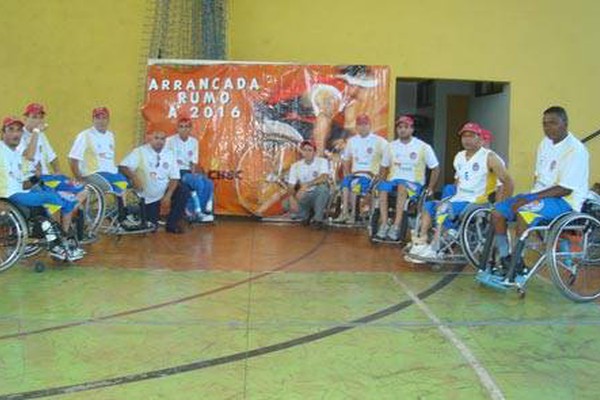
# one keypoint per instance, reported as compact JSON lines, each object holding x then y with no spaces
{"x":73,"y":55}
{"x":546,"y":49}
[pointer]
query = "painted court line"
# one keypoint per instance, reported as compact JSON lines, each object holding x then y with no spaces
{"x":484,"y":376}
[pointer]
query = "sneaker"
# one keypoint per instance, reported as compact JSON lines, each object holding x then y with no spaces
{"x":428,"y":252}
{"x":76,"y":253}
{"x":382,"y":231}
{"x":206,"y":218}
{"x":341,"y":219}
{"x":417,"y":249}
{"x":394,"y":234}
{"x":59,"y":252}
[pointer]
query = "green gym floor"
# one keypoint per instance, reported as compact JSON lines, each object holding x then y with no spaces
{"x":244,"y":310}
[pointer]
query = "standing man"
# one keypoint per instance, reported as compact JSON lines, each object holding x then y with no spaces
{"x":93,"y":154}
{"x":404,"y":163}
{"x":308,"y":184}
{"x":362,"y":156}
{"x":39,"y":157}
{"x":477,"y":170}
{"x":561,"y":182}
{"x":153,"y":173}
{"x":185,"y":148}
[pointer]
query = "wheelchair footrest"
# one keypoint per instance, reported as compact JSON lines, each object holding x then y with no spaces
{"x":493,"y":281}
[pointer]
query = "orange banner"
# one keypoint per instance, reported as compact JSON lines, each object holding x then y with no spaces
{"x":249,"y":119}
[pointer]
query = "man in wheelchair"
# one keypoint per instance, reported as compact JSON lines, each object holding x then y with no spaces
{"x":361,"y":160}
{"x":561,"y":186}
{"x":403,"y":164}
{"x":55,"y":207}
{"x":478,"y":171}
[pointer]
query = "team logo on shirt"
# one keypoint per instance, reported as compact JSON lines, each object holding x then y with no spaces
{"x":552,"y":165}
{"x":180,"y":162}
{"x":315,"y":174}
{"x":476,"y":167}
{"x":534,"y":206}
{"x":166,"y":165}
{"x":369,"y":150}
{"x":413,"y":156}
{"x":190,"y":153}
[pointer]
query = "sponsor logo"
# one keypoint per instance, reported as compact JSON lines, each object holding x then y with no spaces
{"x":227,"y":175}
{"x":534,"y":206}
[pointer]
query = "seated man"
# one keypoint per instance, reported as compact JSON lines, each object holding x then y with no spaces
{"x":477,"y":170}
{"x":185,"y":148}
{"x":404,"y":164}
{"x":561,"y":182}
{"x":93,"y":154}
{"x":308,"y":184}
{"x":362,"y":153}
{"x":14,"y":188}
{"x":153,"y":173}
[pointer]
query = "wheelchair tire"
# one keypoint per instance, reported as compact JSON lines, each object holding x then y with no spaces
{"x":13,"y":234}
{"x":94,"y":209}
{"x":473,"y":232}
{"x":573,"y":255}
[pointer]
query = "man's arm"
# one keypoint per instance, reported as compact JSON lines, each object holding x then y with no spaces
{"x":433,"y":179}
{"x":496,"y":166}
{"x":29,"y":152}
{"x":136,"y":182}
{"x":74,"y":164}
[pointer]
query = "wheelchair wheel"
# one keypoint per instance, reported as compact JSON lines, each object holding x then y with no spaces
{"x":13,"y":235}
{"x":93,"y":210}
{"x":573,"y":255}
{"x":473,"y":233}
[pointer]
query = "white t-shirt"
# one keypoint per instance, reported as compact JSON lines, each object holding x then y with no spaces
{"x":95,"y":151}
{"x":154,"y":169}
{"x":303,"y":172}
{"x":408,"y":160}
{"x":11,"y":171}
{"x":365,"y":152}
{"x":564,"y":164}
{"x":475,"y":181}
{"x":186,"y":152}
{"x":44,"y":153}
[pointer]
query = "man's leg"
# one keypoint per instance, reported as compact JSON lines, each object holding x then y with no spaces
{"x":320,"y":201}
{"x":178,"y":202}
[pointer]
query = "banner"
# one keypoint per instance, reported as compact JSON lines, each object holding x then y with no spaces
{"x":249,"y":119}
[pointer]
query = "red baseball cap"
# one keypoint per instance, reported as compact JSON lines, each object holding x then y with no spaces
{"x":471,"y":127}
{"x":308,"y":143}
{"x":486,"y":135}
{"x":184,"y":118}
{"x":34,"y":108}
{"x":100,"y":112}
{"x":406,"y":119}
{"x":363,"y":119}
{"x":8,"y":121}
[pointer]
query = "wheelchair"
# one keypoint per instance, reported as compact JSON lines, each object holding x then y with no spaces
{"x":569,"y":245}
{"x":120,"y":215}
{"x":361,"y":206}
{"x":410,"y":218}
{"x":462,"y":242}
{"x":26,"y":231}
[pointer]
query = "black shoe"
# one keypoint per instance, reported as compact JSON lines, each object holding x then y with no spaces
{"x":318,"y":225}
